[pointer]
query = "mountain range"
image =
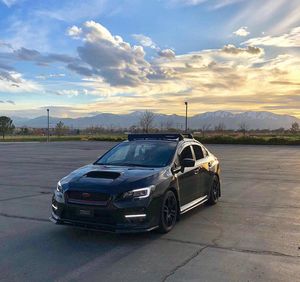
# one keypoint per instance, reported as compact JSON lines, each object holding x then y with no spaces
{"x":252,"y":119}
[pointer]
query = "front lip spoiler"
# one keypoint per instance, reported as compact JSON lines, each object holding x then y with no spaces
{"x":98,"y":227}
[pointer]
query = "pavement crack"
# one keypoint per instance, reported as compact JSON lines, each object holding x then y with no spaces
{"x":27,"y":196}
{"x":24,"y":217}
{"x":185,"y":262}
{"x":233,"y":249}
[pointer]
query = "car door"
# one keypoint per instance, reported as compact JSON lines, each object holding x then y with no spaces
{"x":187,"y":179}
{"x":203,"y":164}
{"x":201,"y":170}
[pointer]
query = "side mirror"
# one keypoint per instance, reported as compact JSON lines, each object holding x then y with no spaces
{"x":187,"y":162}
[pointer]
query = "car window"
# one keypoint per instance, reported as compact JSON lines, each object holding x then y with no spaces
{"x":119,"y":155}
{"x":186,"y":153}
{"x":140,"y":153}
{"x":205,"y":152}
{"x":198,"y":152}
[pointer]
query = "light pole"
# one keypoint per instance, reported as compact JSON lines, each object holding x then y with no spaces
{"x":48,"y":122}
{"x":186,"y":116}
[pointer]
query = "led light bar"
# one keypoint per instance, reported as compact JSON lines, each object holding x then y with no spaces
{"x":135,"y":215}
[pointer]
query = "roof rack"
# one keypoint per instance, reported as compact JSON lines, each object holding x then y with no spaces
{"x":188,"y":135}
{"x":158,"y":136}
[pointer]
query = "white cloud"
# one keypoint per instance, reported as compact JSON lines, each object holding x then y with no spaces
{"x":110,"y":57}
{"x":52,"y":75}
{"x":75,"y":10}
{"x":242,"y":31}
{"x":5,"y":45}
{"x":74,"y":31}
{"x":69,"y":92}
{"x":272,"y":16}
{"x":9,"y":3}
{"x":144,"y":40}
{"x":167,"y":53}
{"x":119,"y":74}
{"x":7,"y":102}
{"x":290,"y":19}
{"x":214,"y":4}
{"x":290,"y":39}
{"x":223,"y":3}
{"x":189,"y":2}
{"x":12,"y":81}
{"x":249,"y":50}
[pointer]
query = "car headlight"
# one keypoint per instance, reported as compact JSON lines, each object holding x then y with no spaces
{"x":59,"y":187}
{"x":140,"y":193}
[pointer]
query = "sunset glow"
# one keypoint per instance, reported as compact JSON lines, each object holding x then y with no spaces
{"x":122,"y":56}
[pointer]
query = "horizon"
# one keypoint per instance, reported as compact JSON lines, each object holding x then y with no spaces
{"x":254,"y":120}
{"x":78,"y":58}
{"x":155,"y":113}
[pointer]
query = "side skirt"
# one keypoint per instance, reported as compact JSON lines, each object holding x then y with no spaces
{"x":193,"y":204}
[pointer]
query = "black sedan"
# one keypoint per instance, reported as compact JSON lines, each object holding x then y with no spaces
{"x":141,"y":184}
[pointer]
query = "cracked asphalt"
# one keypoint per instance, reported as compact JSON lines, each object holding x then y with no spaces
{"x":253,"y":234}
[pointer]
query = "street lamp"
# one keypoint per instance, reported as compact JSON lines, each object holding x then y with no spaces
{"x":186,"y":116}
{"x":48,"y":121}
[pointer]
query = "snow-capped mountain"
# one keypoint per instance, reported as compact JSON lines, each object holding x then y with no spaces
{"x":253,"y":120}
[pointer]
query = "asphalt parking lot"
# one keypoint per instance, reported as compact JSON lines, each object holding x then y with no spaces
{"x":253,"y":234}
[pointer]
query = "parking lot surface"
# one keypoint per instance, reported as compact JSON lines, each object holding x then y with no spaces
{"x":253,"y":234}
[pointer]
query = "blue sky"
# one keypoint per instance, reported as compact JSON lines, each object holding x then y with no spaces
{"x":80,"y":57}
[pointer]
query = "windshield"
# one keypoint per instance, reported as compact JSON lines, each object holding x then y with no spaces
{"x":140,"y":153}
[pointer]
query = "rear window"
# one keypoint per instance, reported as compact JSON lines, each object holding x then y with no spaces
{"x":198,"y":152}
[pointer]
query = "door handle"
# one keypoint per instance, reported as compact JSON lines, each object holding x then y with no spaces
{"x":197,"y":170}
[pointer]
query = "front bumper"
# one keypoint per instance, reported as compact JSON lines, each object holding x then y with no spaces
{"x":102,"y":227}
{"x":118,"y":218}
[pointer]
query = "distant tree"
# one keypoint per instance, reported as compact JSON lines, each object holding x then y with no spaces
{"x":169,"y":124}
{"x":146,"y":121}
{"x":204,"y":128}
{"x":6,"y":126}
{"x":280,"y":130}
{"x":220,"y":127}
{"x":60,"y":128}
{"x":24,"y":131}
{"x":295,"y":127}
{"x":133,"y":128}
{"x":243,"y":127}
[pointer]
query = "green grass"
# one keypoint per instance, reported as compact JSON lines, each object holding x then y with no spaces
{"x":34,"y":138}
{"x":214,"y":139}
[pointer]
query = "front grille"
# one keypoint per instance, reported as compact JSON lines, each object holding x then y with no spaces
{"x":87,"y":198}
{"x":97,"y":216}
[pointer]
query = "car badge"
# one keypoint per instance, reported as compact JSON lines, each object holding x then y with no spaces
{"x":86,"y":195}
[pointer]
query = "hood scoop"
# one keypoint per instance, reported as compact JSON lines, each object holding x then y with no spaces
{"x":103,"y":174}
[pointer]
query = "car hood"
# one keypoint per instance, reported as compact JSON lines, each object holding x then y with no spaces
{"x":110,"y":179}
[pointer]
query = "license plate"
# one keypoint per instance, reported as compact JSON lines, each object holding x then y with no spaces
{"x":85,"y":212}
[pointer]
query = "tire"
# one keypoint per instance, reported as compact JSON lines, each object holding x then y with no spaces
{"x":168,"y":213}
{"x":214,"y":192}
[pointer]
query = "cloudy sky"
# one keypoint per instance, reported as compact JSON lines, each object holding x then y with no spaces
{"x":84,"y":57}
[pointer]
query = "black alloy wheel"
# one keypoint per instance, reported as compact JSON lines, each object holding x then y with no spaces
{"x":169,"y":212}
{"x":214,"y":191}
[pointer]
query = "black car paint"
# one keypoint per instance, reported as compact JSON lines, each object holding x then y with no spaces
{"x":188,"y":183}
